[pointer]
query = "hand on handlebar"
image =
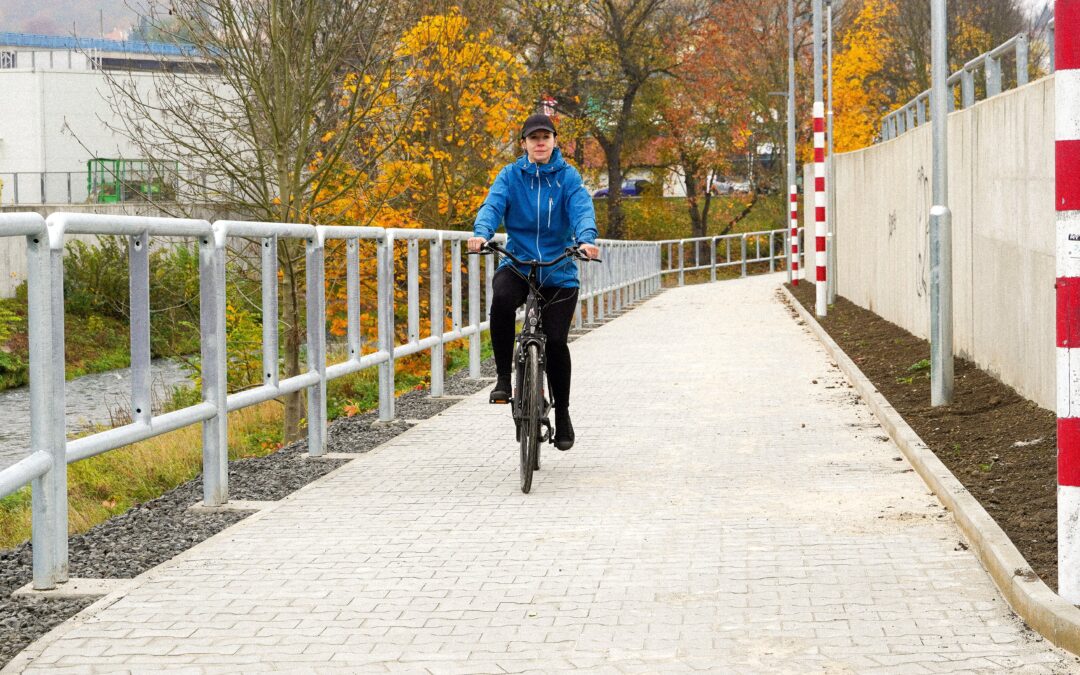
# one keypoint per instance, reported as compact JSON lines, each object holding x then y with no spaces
{"x":591,"y":251}
{"x":475,"y":244}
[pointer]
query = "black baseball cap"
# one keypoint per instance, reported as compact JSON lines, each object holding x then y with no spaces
{"x":538,"y":122}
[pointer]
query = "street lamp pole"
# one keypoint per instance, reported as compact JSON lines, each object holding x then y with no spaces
{"x":820,"y":225}
{"x":941,"y":324}
{"x":829,"y":173}
{"x":793,"y":190}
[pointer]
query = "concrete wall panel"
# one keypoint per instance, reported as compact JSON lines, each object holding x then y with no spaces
{"x":1001,"y":185}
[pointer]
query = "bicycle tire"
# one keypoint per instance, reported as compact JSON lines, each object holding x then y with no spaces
{"x":531,"y":404}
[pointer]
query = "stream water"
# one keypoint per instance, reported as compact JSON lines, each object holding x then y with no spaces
{"x":89,"y":400}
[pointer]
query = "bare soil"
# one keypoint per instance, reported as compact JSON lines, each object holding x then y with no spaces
{"x":1000,"y":445}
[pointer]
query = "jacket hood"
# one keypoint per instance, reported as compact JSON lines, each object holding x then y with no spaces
{"x":556,"y":163}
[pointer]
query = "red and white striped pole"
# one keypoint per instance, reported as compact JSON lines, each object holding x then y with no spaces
{"x":1067,"y":203}
{"x":793,"y":193}
{"x":820,"y":307}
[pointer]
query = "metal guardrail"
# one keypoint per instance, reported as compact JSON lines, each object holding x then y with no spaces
{"x":631,"y":270}
{"x":673,"y":256}
{"x":100,"y":44}
{"x":915,"y":112}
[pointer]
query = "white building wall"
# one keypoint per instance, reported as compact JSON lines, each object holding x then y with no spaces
{"x":52,"y":122}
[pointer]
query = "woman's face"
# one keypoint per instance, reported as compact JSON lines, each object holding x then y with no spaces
{"x":539,"y":145}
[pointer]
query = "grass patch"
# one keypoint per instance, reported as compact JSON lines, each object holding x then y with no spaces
{"x":653,"y":218}
{"x":109,"y":484}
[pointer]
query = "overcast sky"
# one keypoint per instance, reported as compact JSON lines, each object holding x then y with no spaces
{"x":93,"y":18}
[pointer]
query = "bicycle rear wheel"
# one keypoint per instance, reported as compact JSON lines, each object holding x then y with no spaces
{"x":532,"y":404}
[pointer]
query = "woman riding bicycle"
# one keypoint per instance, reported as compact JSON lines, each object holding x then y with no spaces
{"x":546,"y":209}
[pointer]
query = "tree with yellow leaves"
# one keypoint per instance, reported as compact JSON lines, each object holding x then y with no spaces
{"x":860,"y":95}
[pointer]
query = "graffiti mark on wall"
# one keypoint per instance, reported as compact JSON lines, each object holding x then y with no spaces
{"x":922,"y":251}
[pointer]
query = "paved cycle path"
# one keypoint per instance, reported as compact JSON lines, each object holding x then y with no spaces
{"x":730,"y":507}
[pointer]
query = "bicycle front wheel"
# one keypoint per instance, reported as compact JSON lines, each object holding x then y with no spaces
{"x":532,"y":403}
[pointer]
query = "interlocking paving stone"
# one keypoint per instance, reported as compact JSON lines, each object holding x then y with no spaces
{"x":721,"y":512}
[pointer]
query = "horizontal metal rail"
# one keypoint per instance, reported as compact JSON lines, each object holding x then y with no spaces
{"x":728,"y":250}
{"x":631,"y":271}
{"x":916,"y":112}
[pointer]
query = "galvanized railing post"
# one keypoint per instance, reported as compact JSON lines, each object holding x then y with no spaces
{"x":385,"y":262}
{"x":967,"y":88}
{"x":772,"y":256}
{"x":214,"y":367}
{"x":437,"y":267}
{"x":489,"y":276}
{"x":413,"y":288}
{"x":45,"y":305}
{"x":474,"y":316}
{"x":315,"y":272}
{"x":992,"y":70}
{"x":139,"y":318}
{"x":455,"y":285}
{"x":742,"y":241}
{"x":352,"y":298}
{"x":1021,"y":60}
{"x":712,"y":259}
{"x":270,"y":310}
{"x":682,"y":277}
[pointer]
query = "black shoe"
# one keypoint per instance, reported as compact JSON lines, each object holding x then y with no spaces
{"x":501,"y":392}
{"x":564,"y":431}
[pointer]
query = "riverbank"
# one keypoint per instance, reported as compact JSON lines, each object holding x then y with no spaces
{"x":154,"y":531}
{"x":111,"y":483}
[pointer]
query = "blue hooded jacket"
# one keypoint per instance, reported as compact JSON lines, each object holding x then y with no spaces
{"x":545,"y":209}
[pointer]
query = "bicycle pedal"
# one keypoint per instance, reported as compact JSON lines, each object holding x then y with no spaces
{"x":498,"y":399}
{"x":545,"y":431}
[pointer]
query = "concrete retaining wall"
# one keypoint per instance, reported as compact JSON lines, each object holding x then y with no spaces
{"x":1001,"y":192}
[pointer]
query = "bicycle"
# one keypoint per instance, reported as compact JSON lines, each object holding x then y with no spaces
{"x":529,"y":406}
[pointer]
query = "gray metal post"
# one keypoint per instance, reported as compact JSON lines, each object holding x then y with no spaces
{"x":1051,"y":34}
{"x":742,"y":241}
{"x":712,"y":260}
{"x":489,"y":278}
{"x":790,"y":115}
{"x":41,"y":178}
{"x":315,"y":272}
{"x":474,"y":316}
{"x":772,"y":257}
{"x":214,"y":367}
{"x":682,"y":265}
{"x":1021,"y":60}
{"x":139,"y":332}
{"x":352,"y":298}
{"x":830,"y":178}
{"x":941,"y":329}
{"x":384,"y":260}
{"x":413,"y":288}
{"x":270,"y":310}
{"x":967,"y":88}
{"x":818,"y":85}
{"x":993,"y":76}
{"x":437,"y":266}
{"x":45,"y":303}
{"x":455,"y":285}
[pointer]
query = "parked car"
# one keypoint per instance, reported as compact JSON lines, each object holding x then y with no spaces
{"x":741,"y":187}
{"x":721,"y":186}
{"x":630,"y":188}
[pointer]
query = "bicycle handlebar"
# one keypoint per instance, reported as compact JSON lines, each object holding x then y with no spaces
{"x":570,"y":252}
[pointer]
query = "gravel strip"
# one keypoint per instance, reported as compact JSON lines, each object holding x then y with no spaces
{"x":151,"y":533}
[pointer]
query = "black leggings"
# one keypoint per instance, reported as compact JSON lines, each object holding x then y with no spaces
{"x":557,"y":307}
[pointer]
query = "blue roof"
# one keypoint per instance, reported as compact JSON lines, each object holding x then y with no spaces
{"x":77,"y":43}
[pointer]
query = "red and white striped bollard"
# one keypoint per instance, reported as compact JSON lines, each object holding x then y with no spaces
{"x":1067,"y":204}
{"x":821,"y":306}
{"x":793,"y":194}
